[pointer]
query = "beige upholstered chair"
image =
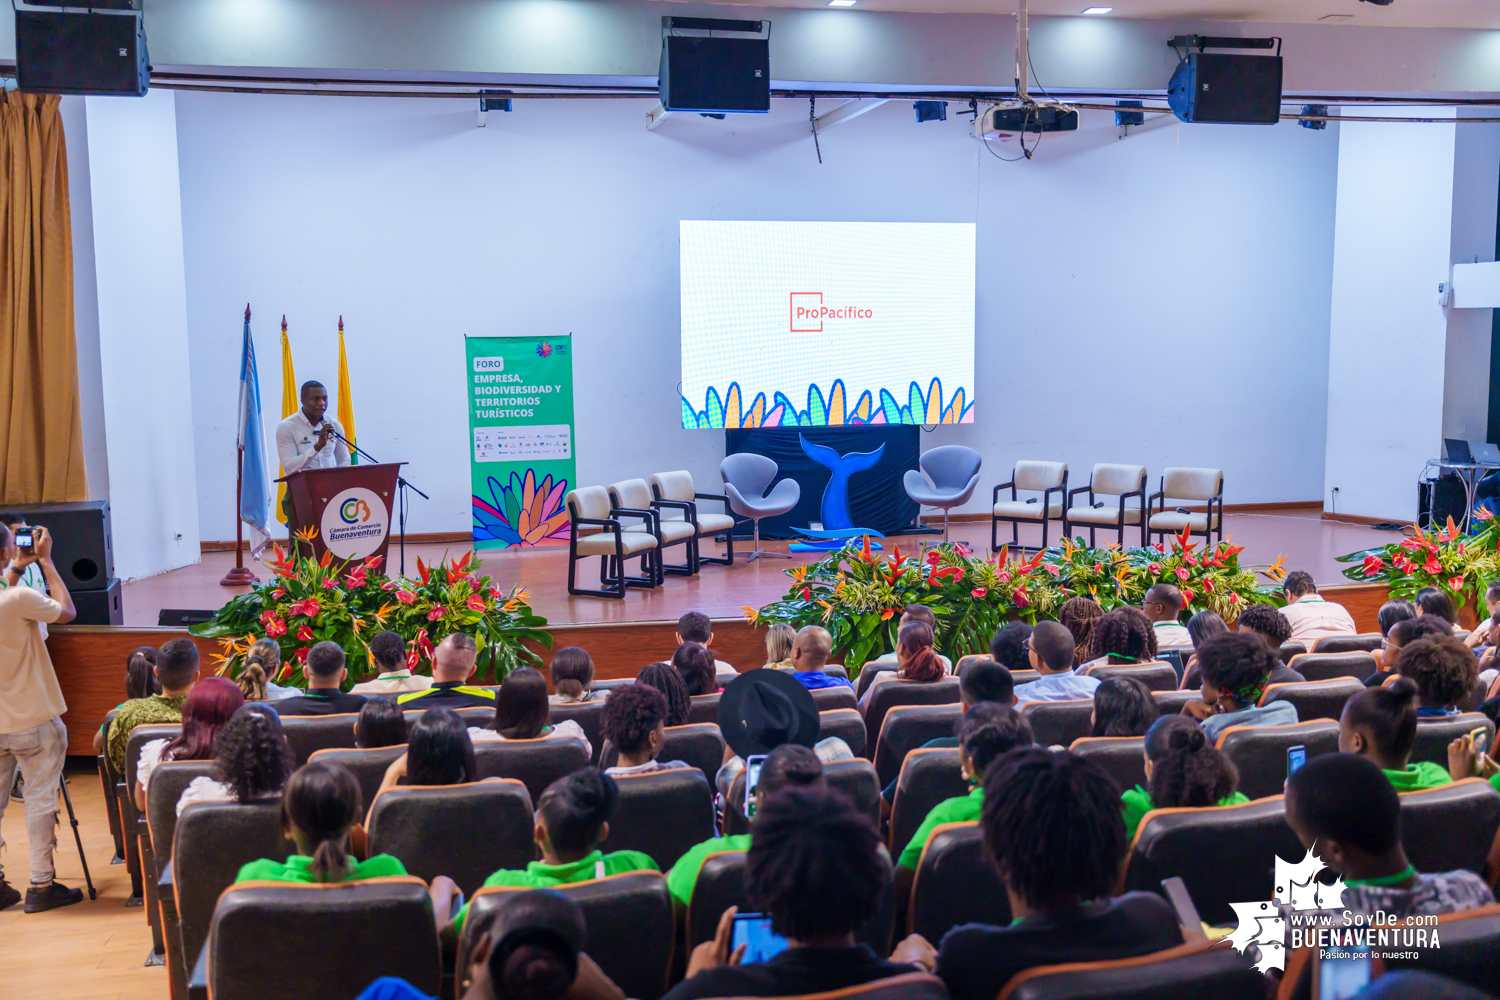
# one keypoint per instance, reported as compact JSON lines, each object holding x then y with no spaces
{"x":676,"y":497}
{"x":632,"y":497}
{"x":1120,"y":482}
{"x":1046,"y":478}
{"x":1200,"y":485}
{"x":596,"y":531}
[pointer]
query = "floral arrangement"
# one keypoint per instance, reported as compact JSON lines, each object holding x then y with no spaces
{"x":858,"y":595}
{"x":315,"y":600}
{"x":1459,"y":565}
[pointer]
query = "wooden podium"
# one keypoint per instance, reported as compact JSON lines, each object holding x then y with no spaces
{"x":353,"y":508}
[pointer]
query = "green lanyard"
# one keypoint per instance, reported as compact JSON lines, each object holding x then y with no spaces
{"x":1409,"y":872}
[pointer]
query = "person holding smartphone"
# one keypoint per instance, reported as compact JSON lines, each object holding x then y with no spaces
{"x":32,"y":736}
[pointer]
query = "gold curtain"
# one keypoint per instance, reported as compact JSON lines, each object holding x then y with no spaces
{"x":41,"y":432}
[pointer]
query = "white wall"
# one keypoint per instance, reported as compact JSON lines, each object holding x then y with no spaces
{"x":1162,"y":299}
{"x":143,"y":332}
{"x":1476,"y":183}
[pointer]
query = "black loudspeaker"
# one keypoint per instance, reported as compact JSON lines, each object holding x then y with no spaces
{"x":1214,"y":87}
{"x":81,"y":545}
{"x":183,"y":617}
{"x":1439,"y":499}
{"x":715,"y":75}
{"x":99,"y":607}
{"x":82,"y":52}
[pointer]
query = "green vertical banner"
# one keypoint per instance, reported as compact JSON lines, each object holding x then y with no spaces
{"x":521,"y":438}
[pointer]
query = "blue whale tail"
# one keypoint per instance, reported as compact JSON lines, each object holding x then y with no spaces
{"x":835,"y":507}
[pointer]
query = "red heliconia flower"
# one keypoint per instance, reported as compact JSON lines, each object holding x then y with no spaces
{"x":275,"y":627}
{"x":1182,"y":574}
{"x":406,"y":597}
{"x":305,"y":634}
{"x":807,"y":593}
{"x":437,"y":612}
{"x":1052,"y":568}
{"x":980,"y":591}
{"x":475,"y":603}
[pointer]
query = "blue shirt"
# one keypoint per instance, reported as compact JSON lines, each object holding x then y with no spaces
{"x":391,"y":988}
{"x":815,"y":679}
{"x":1435,"y":712}
{"x":1066,"y":686}
{"x":1277,"y":713}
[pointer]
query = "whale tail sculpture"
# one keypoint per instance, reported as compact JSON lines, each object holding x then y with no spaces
{"x":835,"y":507}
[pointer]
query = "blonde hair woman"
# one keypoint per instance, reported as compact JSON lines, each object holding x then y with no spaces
{"x":262,"y":664}
{"x":779,"y":647}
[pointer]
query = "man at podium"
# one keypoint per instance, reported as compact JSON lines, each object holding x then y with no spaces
{"x":309,"y":440}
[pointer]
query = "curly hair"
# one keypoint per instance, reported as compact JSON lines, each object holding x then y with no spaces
{"x":1078,"y":615}
{"x":251,"y":753}
{"x":1442,"y":666}
{"x":665,"y":678}
{"x":1298,"y":583}
{"x":815,"y":864}
{"x":631,"y":715}
{"x":1186,"y":770}
{"x":1411,"y":629}
{"x":1238,"y":664}
{"x":1125,"y":635}
{"x":1123,"y":706}
{"x":1052,"y":825}
{"x":1266,"y":621}
{"x":1008,"y":647}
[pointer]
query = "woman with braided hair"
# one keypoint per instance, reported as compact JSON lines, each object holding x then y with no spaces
{"x":1236,"y":667}
{"x":1183,"y":770}
{"x":1078,"y":615}
{"x":1123,"y":635}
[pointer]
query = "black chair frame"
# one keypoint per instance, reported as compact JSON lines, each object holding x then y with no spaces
{"x":653,"y":524}
{"x":1120,"y":522}
{"x":696,"y":558}
{"x":1015,"y":522}
{"x":612,"y":578}
{"x":1159,"y":498}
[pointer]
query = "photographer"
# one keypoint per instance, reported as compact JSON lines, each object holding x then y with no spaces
{"x":22,"y":576}
{"x":32,"y":736}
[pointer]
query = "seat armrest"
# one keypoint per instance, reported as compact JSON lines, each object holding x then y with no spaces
{"x":689,"y":509}
{"x":1082,"y":489}
{"x":1004,"y":486}
{"x":165,"y":883}
{"x":649,"y":516}
{"x":198,"y":979}
{"x":714,"y":496}
{"x":604,"y":522}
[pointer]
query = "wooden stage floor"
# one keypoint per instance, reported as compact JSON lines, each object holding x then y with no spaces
{"x":1309,"y":543}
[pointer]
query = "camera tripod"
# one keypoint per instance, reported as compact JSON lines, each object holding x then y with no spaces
{"x":62,"y":786}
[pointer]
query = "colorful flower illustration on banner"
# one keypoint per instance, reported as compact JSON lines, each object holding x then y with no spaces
{"x":522,"y":511}
{"x":729,"y":412}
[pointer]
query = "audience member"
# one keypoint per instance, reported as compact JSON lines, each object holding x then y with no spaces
{"x":1444,"y":669}
{"x":1163,"y":605}
{"x":209,"y":705}
{"x":1123,"y":706}
{"x":764,"y":709}
{"x":979,"y":682}
{"x":452,"y":666}
{"x":634,"y":723}
{"x":251,"y":760}
{"x":1078,"y":615}
{"x":916,"y":661}
{"x":811,"y":647}
{"x":325,"y":672}
{"x":815,"y":867}
{"x":438,"y":752}
{"x":393,"y":671}
{"x":1236,"y":667}
{"x":1008,"y":647}
{"x":788,"y":766}
{"x":1200,"y":627}
{"x":1403,"y":633}
{"x":1052,"y":826}
{"x":779,"y":639}
{"x":696,"y":665}
{"x":572,"y":676}
{"x":665,"y":678}
{"x":522,"y":712}
{"x":1381,"y":724}
{"x":1123,"y":635}
{"x":1432,"y":601}
{"x":177,"y":670}
{"x":262,"y":667}
{"x":1392,"y":612}
{"x":1346,"y":811}
{"x":1274,"y":630}
{"x":380,"y":723}
{"x":696,"y":627}
{"x":140,"y":682}
{"x":914,"y":613}
{"x":1051,"y":653}
{"x":1183,"y":770}
{"x":572,"y":820}
{"x":1310,"y":616}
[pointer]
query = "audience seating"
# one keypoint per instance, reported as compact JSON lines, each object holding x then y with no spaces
{"x":1171,"y":702}
{"x":604,"y":686}
{"x":927,"y":778}
{"x":699,"y":744}
{"x":703,"y":708}
{"x":867,"y":675}
{"x":590,"y":717}
{"x":830,"y":698}
{"x":1364,"y":642}
{"x":948,"y":477}
{"x":910,"y":986}
{"x":855,"y":778}
{"x":463,"y":831}
{"x":848,"y":725}
{"x":482,"y":718}
{"x":1222,"y":853}
{"x":1058,"y":723}
{"x":892,"y":693}
{"x":167,"y":784}
{"x":630,"y":928}
{"x":746,"y":477}
{"x":662,"y":814}
{"x":1119,"y":481}
{"x":1434,"y":735}
{"x":1259,"y":753}
{"x":135,"y":827}
{"x":1157,"y":675}
{"x":1314,"y":699}
{"x":1045,"y":478}
{"x":367,"y":766}
{"x":535,"y":763}
{"x":835,"y":670}
{"x":675,"y":491}
{"x":1476,"y":697}
{"x":1291,"y":649}
{"x":594,"y":530}
{"x":956,"y":884}
{"x":1019,"y":677}
{"x":1325,"y":665}
{"x":632,"y":497}
{"x":307,"y":734}
{"x":906,"y":728}
{"x":1471,"y":944}
{"x":1204,"y":486}
{"x":1187,"y":972}
{"x":270,"y":940}
{"x":108,"y":778}
{"x":1178,"y":657}
{"x":1432,"y":818}
{"x":1124,"y":757}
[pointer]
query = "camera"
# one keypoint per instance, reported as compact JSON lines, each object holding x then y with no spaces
{"x":25,"y":539}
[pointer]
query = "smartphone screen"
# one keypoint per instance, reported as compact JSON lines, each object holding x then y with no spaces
{"x":754,"y":931}
{"x":752,"y":781}
{"x":1480,"y":738}
{"x":1342,"y":978}
{"x":1295,"y":757}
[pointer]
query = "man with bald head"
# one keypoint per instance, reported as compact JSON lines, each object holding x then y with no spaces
{"x":1163,"y":605}
{"x":809,"y":653}
{"x":452,"y":666}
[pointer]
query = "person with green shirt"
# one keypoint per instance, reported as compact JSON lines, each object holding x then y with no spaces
{"x":1183,"y":770}
{"x":986,"y":733}
{"x":1381,"y":724}
{"x":177,"y":670}
{"x":572,"y":820}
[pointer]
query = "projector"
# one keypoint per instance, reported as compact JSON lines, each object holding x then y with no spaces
{"x":1033,"y":118}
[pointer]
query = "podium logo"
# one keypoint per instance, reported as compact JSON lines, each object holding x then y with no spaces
{"x":808,"y":312}
{"x":355,"y":523}
{"x":493,"y":364}
{"x":354,"y":511}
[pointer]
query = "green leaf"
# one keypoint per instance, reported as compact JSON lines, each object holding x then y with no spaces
{"x":1361,"y":555}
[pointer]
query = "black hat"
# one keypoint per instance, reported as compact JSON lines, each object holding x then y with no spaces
{"x":762,"y":709}
{"x":542,"y":916}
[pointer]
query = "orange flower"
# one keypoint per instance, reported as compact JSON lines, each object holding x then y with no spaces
{"x":750,"y":613}
{"x":887,"y":613}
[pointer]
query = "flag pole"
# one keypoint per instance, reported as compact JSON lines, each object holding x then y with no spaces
{"x":239,"y":576}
